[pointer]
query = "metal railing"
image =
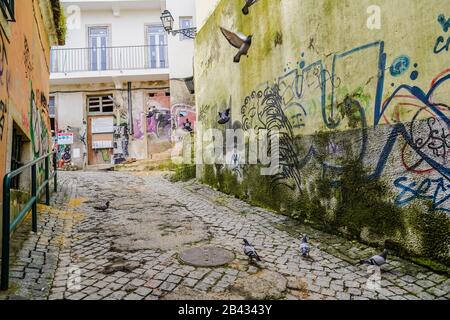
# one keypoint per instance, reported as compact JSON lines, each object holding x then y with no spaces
{"x":7,"y":226}
{"x":64,"y":60}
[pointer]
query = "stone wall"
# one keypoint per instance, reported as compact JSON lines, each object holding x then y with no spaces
{"x":360,"y":95}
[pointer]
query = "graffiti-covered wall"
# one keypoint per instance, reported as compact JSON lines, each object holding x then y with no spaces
{"x":360,"y":94}
{"x":24,"y":78}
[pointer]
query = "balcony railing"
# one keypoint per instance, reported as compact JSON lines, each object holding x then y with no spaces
{"x":108,"y":58}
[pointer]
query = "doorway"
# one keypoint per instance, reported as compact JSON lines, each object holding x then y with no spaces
{"x":157,"y":41}
{"x":98,"y":44}
{"x":100,"y":129}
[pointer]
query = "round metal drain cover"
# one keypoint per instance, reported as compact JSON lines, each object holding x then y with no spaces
{"x":206,"y":256}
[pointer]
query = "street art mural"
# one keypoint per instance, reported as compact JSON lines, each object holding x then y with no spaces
{"x":370,"y":118}
{"x":181,"y":114}
{"x":159,"y":123}
{"x":425,"y":136}
{"x":158,"y":116}
{"x":38,"y":128}
{"x":120,"y":143}
{"x":121,"y":133}
{"x":138,"y":129}
{"x":64,"y":156}
{"x":443,"y":42}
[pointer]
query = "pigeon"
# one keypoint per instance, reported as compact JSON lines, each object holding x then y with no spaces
{"x":250,"y":251}
{"x":239,"y":41}
{"x":102,"y":207}
{"x":248,"y":4}
{"x":376,"y":260}
{"x":224,"y":116}
{"x":304,"y":246}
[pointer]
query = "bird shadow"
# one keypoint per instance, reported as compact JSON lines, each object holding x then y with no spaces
{"x":308,"y":258}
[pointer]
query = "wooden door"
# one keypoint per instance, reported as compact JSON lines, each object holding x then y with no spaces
{"x":100,"y":139}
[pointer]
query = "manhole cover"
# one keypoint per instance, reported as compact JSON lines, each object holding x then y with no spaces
{"x":206,"y":256}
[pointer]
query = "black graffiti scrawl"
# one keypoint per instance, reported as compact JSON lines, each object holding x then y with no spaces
{"x":263,"y":110}
{"x":27,"y":59}
{"x":2,"y":118}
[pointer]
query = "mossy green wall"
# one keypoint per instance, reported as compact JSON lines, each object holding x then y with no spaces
{"x":365,"y":112}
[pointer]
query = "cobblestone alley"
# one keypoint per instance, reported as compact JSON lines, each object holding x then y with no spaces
{"x":131,"y":251}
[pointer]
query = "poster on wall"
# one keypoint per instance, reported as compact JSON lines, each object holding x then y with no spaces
{"x":103,"y":125}
{"x":102,"y":144}
{"x":65,"y":138}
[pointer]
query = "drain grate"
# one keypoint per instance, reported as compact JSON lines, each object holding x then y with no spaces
{"x":206,"y":256}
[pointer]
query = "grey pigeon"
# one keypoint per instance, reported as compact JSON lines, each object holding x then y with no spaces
{"x":376,"y":260}
{"x":102,"y":207}
{"x":250,"y":251}
{"x":248,"y":4}
{"x":239,"y":41}
{"x":224,"y":116}
{"x":304,"y":246}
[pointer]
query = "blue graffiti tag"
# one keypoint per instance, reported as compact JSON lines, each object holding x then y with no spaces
{"x":445,"y":24}
{"x":445,"y":47}
{"x":399,"y":66}
{"x":436,"y":190}
{"x":297,"y":90}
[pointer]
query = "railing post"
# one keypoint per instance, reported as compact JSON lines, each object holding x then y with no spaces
{"x":5,"y":233}
{"x":55,"y":178}
{"x":33,"y":194}
{"x":47,"y":182}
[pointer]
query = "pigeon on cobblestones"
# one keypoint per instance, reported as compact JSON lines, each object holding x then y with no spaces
{"x":250,"y":251}
{"x":304,"y":246}
{"x":248,"y":4}
{"x":102,"y":207}
{"x":376,"y":260}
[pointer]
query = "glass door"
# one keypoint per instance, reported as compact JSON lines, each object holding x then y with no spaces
{"x":98,"y":43}
{"x":157,"y":41}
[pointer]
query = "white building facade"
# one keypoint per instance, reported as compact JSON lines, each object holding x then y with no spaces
{"x":118,"y":85}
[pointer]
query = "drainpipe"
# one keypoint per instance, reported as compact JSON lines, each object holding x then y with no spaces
{"x":130,"y":110}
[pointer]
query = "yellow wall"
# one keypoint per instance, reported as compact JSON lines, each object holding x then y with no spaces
{"x":364,"y":112}
{"x":25,"y":73}
{"x":321,"y":30}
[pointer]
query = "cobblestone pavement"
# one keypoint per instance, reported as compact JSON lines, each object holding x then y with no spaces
{"x":130,"y":251}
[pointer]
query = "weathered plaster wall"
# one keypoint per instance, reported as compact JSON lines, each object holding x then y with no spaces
{"x":363,"y":112}
{"x":131,"y":140}
{"x":24,"y":89}
{"x":24,"y":82}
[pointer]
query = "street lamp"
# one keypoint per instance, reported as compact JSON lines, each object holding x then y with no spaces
{"x":167,"y":21}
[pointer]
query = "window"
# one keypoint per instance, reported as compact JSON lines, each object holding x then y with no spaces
{"x":16,"y":155}
{"x":52,"y":113}
{"x":7,"y":7}
{"x":157,"y":44}
{"x":101,"y":104}
{"x":51,"y":106}
{"x":185,"y":23}
{"x":98,"y":47}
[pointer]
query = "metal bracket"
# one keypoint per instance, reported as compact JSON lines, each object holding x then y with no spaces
{"x":188,"y":32}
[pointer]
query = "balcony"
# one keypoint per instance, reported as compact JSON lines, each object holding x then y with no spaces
{"x":95,"y":62}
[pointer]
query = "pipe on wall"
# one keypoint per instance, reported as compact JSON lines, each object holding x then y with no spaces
{"x":130,"y":109}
